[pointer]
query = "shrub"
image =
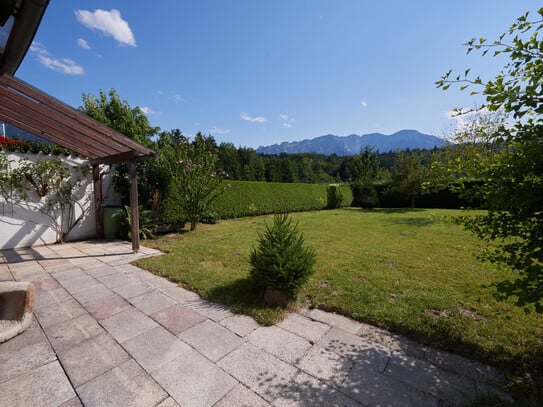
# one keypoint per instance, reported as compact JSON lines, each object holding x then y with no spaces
{"x":281,"y":261}
{"x":364,"y":195}
{"x":146,"y":223}
{"x":334,"y":197}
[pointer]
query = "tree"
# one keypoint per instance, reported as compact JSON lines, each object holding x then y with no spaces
{"x":408,"y":176}
{"x":109,"y":109}
{"x":193,"y":180}
{"x":366,"y":166}
{"x":513,"y":183}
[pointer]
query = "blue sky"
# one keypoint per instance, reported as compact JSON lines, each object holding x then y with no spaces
{"x":257,"y":72}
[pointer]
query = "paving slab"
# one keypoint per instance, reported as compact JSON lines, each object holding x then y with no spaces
{"x":177,"y":319}
{"x":152,"y":302}
{"x":311,"y":330}
{"x":77,"y":284}
{"x":91,"y":358}
{"x":59,"y":312}
{"x":373,"y":356}
{"x":241,"y":396}
{"x":211,"y":340}
{"x":376,"y":389}
{"x":339,"y":321}
{"x":45,"y":298}
{"x":173,"y":290}
{"x":125,"y":385}
{"x":241,"y":325}
{"x":128,"y":324}
{"x":33,"y":334}
{"x":20,"y":361}
{"x":426,"y":377}
{"x":68,"y":334}
{"x":154,"y":348}
{"x":100,"y":270}
{"x":192,"y":380}
{"x":105,"y":307}
{"x":261,"y":372}
{"x":115,"y":279}
{"x":305,"y":390}
{"x":285,"y":345}
{"x":132,"y":289}
{"x":67,"y":275}
{"x":47,"y":284}
{"x":169,"y":402}
{"x":212,"y":310}
{"x":92,"y":293}
{"x":326,"y":365}
{"x":31,"y":389}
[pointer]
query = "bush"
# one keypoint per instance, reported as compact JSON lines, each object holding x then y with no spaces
{"x":364,"y":195}
{"x":251,"y":198}
{"x":281,"y":261}
{"x":334,"y":197}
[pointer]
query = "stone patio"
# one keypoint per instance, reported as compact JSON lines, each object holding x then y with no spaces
{"x":106,"y":333}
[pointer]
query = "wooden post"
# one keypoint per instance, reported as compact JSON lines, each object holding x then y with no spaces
{"x":134,"y":206}
{"x":97,"y":186}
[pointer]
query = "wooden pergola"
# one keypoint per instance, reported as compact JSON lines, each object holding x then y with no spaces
{"x":32,"y":110}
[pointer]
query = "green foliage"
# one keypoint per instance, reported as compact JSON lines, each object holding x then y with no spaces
{"x":193,"y":180}
{"x":366,"y":167}
{"x":146,"y":223}
{"x":512,"y":182}
{"x":281,"y":260}
{"x":109,"y":109}
{"x":247,"y":198}
{"x":408,"y":176}
{"x":334,"y":197}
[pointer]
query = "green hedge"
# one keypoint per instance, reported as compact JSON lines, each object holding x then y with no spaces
{"x":249,"y":198}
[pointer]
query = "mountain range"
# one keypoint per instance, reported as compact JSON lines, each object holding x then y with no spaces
{"x":351,"y":145}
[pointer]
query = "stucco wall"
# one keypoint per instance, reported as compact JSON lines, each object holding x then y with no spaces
{"x":21,"y":223}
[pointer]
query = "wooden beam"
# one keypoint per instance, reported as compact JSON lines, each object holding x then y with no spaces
{"x":134,"y":210}
{"x":97,"y":186}
{"x":112,"y":159}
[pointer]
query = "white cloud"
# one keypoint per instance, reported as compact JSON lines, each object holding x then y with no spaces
{"x":176,"y":97}
{"x":64,"y":65}
{"x":83,"y":44}
{"x":216,"y":130}
{"x":287,"y":121}
{"x":257,"y":119}
{"x":148,"y":110}
{"x":109,"y":22}
{"x":364,"y":103}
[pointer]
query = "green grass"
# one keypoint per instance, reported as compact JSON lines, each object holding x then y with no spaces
{"x":408,"y":271}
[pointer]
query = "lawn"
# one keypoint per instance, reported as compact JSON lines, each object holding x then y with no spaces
{"x":410,"y":271}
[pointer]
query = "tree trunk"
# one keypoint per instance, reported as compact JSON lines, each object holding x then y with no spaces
{"x":413,"y":202}
{"x":192,"y":225}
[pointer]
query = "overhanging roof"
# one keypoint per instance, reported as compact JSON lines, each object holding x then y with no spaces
{"x":32,"y":110}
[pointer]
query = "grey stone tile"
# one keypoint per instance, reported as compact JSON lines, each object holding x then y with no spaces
{"x":240,"y":324}
{"x":283,"y":344}
{"x":46,"y":385}
{"x":47,"y":284}
{"x":125,"y":385}
{"x":311,"y":330}
{"x":174,"y":291}
{"x":263,"y":373}
{"x":376,"y":389}
{"x":326,"y":365}
{"x":44,"y":298}
{"x":169,"y":402}
{"x":211,"y":340}
{"x":128,"y":324}
{"x":426,"y":377}
{"x":67,"y":275}
{"x":154,"y":348}
{"x":305,"y":390}
{"x":31,"y":336}
{"x":132,"y":289}
{"x":92,"y":293}
{"x":71,"y":333}
{"x":177,"y":319}
{"x":91,"y":358}
{"x":241,"y":396}
{"x":56,"y":313}
{"x":212,"y":310}
{"x":77,"y":284}
{"x":105,"y":307}
{"x":116,"y":279}
{"x":101,"y":270}
{"x":152,"y":302}
{"x":373,"y":356}
{"x":19,"y":361}
{"x":339,"y":321}
{"x":73,"y":402}
{"x":192,"y":380}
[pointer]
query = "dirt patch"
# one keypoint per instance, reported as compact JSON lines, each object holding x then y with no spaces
{"x":438,"y":313}
{"x":469,"y":313}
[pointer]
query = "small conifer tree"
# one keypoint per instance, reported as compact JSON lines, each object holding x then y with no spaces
{"x":281,"y":260}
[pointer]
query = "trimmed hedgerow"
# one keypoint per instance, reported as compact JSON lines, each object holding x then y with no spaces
{"x":250,"y":198}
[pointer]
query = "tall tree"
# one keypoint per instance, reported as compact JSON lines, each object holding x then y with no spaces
{"x":513,"y":183}
{"x":408,"y":176}
{"x":366,"y":166}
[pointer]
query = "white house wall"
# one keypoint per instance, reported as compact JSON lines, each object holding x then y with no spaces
{"x":22,"y":225}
